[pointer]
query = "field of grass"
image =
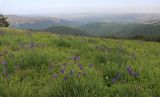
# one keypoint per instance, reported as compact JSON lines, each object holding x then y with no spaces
{"x":49,"y":65}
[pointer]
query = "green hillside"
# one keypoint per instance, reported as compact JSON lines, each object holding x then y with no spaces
{"x":48,"y":65}
{"x":101,"y":28}
{"x":65,"y":30}
{"x":122,"y":29}
{"x":143,"y":29}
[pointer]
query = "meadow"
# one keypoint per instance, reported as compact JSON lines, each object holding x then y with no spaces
{"x":39,"y":64}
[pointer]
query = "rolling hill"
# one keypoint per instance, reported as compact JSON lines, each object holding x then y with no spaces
{"x":46,"y":65}
{"x":37,"y":23}
{"x":105,"y":28}
{"x":65,"y":30}
{"x":74,"y":20}
{"x":122,"y":29}
{"x":121,"y":26}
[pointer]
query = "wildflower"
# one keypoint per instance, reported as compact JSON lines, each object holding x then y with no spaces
{"x":54,"y":76}
{"x":113,"y":80}
{"x":62,"y":71}
{"x":32,"y":45}
{"x":65,"y":78}
{"x":76,"y":58}
{"x":116,"y":78}
{"x":129,"y":69}
{"x":91,"y":65}
{"x":107,"y":77}
{"x":80,"y":66}
{"x":132,"y":73}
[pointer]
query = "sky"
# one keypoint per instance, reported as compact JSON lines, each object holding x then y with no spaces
{"x":35,"y":7}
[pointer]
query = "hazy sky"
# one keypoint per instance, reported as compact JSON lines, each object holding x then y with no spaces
{"x":78,"y":6}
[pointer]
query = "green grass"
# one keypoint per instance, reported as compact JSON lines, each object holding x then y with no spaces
{"x":49,"y":65}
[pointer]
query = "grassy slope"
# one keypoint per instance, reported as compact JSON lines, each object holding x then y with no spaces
{"x":65,"y":30}
{"x":42,"y":65}
{"x":102,"y":28}
{"x":122,"y":30}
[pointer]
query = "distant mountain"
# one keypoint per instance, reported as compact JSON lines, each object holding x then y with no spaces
{"x":65,"y":31}
{"x":36,"y":23}
{"x":105,"y":28}
{"x":117,"y":25}
{"x":150,"y":30}
{"x":122,"y":29}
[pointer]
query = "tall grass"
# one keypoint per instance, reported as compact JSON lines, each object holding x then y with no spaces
{"x":48,"y":65}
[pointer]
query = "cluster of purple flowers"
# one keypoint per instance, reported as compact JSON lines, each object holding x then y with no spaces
{"x":119,"y":75}
{"x":131,"y":72}
{"x":32,"y":45}
{"x":80,"y":66}
{"x":67,"y":72}
{"x":116,"y":78}
{"x":76,"y":58}
{"x":54,"y":76}
{"x":90,"y":65}
{"x":6,"y":71}
{"x":62,"y":71}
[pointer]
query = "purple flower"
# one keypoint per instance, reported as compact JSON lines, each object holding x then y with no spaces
{"x":54,"y":76}
{"x":132,"y":73}
{"x":116,"y":78}
{"x":91,"y":65}
{"x":80,"y":66}
{"x":65,"y":78}
{"x":113,"y":80}
{"x":129,"y":69}
{"x":32,"y":45}
{"x":62,"y":71}
{"x":76,"y":58}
